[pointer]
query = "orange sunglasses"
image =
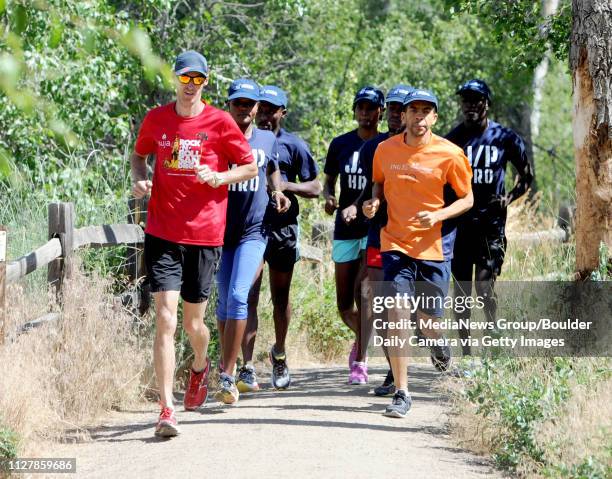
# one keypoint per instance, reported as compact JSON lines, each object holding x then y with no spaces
{"x":185,"y":79}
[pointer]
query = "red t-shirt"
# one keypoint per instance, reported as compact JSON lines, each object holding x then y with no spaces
{"x":181,"y":209}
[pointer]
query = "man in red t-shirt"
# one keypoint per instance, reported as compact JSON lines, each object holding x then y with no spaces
{"x":193,"y":144}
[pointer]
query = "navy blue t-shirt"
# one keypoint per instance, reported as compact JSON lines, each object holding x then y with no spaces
{"x":366,"y":160}
{"x":295,"y":161}
{"x":343,"y":161}
{"x":489,"y":153}
{"x":247,"y":201}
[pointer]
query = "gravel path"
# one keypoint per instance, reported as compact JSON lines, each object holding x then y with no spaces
{"x":320,"y":427}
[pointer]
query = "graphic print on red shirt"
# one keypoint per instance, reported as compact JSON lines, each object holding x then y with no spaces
{"x":181,"y":209}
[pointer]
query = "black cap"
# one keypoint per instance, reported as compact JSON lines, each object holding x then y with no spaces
{"x":371,"y":94}
{"x":477,"y":86}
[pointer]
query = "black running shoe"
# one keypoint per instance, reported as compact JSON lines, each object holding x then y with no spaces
{"x":441,"y":357}
{"x":400,"y":405}
{"x":387,"y":387}
{"x":281,"y":379}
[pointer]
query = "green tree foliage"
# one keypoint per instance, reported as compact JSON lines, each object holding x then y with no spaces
{"x":520,"y":24}
{"x":77,"y":76}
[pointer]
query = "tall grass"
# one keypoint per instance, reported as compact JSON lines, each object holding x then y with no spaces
{"x":99,"y":189}
{"x":66,"y":373}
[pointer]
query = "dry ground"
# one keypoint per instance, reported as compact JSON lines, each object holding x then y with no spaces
{"x":320,"y":427}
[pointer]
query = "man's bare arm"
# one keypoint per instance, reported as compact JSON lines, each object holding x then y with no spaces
{"x":141,"y":186}
{"x":235,"y":175}
{"x":306,"y":189}
{"x":371,"y":206}
{"x":460,"y":206}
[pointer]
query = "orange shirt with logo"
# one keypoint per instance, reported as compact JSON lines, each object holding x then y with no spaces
{"x":414,"y":179}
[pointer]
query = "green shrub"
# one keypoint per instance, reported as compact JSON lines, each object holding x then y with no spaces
{"x":504,"y":389}
{"x":315,"y":310}
{"x":519,"y":395}
{"x":8,"y":443}
{"x":591,"y":468}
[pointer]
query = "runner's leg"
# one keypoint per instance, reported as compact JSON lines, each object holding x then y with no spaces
{"x":362,"y":333}
{"x":247,"y":260}
{"x":462,"y":268}
{"x":346,"y":276}
{"x":280,"y":283}
{"x":166,"y":305}
{"x":197,"y":331}
{"x":250,"y":333}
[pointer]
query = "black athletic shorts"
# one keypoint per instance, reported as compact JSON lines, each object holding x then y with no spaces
{"x":485,"y":250}
{"x":282,"y":251}
{"x":189,"y":269}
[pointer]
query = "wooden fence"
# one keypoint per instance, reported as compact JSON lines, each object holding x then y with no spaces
{"x":64,"y":239}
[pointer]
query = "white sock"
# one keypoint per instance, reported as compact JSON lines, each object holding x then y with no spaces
{"x":405,"y":391}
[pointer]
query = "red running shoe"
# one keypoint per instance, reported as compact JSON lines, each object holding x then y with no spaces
{"x":166,"y":424}
{"x":197,"y":391}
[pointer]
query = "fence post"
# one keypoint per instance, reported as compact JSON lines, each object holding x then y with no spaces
{"x":3,"y":238}
{"x":321,"y":237}
{"x":136,"y":269}
{"x":61,"y":225}
{"x":322,"y":233}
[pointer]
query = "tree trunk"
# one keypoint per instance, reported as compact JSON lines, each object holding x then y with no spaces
{"x":530,"y":113}
{"x":524,"y":129}
{"x":549,"y":7}
{"x":591,"y":63}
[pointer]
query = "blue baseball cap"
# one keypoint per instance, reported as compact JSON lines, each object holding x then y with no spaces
{"x":477,"y":86}
{"x":273,"y":94}
{"x":371,"y":94}
{"x":190,"y":61}
{"x":243,"y":88}
{"x":419,"y":94}
{"x":398,"y":92}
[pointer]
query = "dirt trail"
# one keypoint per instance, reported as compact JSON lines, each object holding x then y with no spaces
{"x":320,"y":427}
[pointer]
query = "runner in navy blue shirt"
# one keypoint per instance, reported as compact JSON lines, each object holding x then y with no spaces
{"x":394,"y":106}
{"x":248,"y":201}
{"x":481,"y":238}
{"x":299,"y":172}
{"x":245,"y":234}
{"x":351,"y":226}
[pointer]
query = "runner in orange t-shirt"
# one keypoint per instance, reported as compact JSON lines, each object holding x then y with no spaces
{"x":426,"y":180}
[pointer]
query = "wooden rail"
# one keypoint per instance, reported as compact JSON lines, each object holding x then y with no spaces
{"x":29,"y":263}
{"x":554,"y":235}
{"x":64,"y":240}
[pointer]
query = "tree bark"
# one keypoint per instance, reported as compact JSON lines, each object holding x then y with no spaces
{"x":591,"y":63}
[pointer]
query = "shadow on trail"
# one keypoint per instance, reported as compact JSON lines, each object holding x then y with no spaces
{"x":116,"y":433}
{"x":334,"y":383}
{"x":325,"y":424}
{"x":317,"y":383}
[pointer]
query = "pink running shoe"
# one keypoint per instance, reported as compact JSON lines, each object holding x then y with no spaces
{"x":352,"y":355}
{"x":359,"y":373}
{"x":166,"y":424}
